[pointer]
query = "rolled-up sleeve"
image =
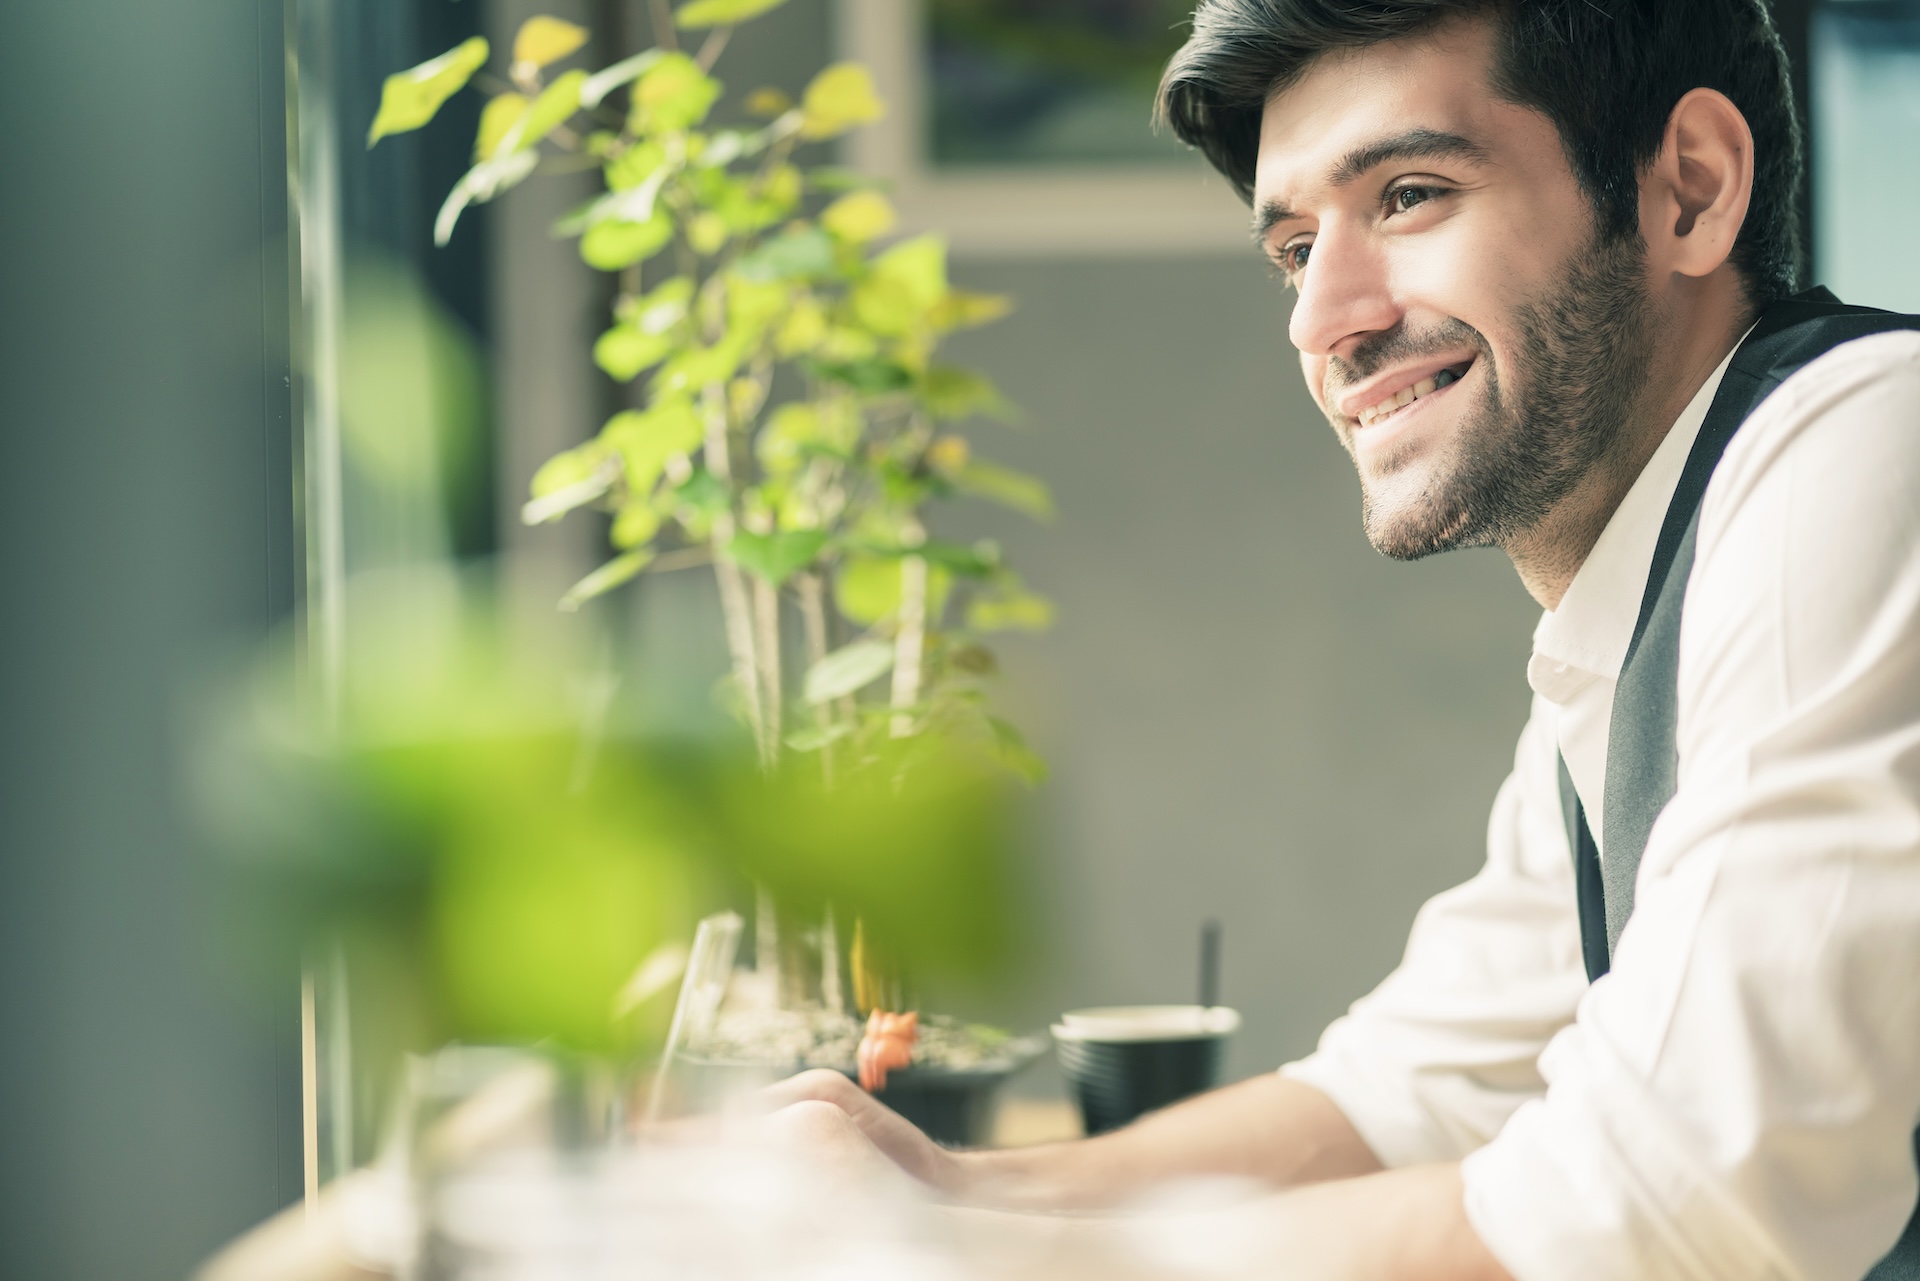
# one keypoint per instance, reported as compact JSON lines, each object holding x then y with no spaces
{"x":1430,"y":1065}
{"x":1738,"y":1097}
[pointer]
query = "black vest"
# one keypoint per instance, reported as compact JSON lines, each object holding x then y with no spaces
{"x":1642,"y":757}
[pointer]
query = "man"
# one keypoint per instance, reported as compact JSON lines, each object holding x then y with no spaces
{"x":1543,"y":252}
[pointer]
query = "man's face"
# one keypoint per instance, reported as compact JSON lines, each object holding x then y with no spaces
{"x":1472,"y":340}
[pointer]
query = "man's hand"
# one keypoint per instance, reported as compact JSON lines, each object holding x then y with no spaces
{"x":888,"y":1133}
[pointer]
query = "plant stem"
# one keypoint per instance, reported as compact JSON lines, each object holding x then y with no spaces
{"x":735,"y":606}
{"x":663,"y":33}
{"x":813,"y":622}
{"x":910,"y":643}
{"x":766,"y":601}
{"x":712,"y":47}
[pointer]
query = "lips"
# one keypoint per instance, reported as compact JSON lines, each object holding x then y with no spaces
{"x":1386,"y":394}
{"x":1439,"y":380}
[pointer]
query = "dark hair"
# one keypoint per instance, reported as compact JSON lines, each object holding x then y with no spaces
{"x":1607,"y":73}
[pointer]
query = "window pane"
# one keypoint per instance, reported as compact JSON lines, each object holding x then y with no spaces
{"x":1049,"y":81}
{"x":1866,"y":150}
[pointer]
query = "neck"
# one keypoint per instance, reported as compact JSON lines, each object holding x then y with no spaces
{"x":1697,"y":325}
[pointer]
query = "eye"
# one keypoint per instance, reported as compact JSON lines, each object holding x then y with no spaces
{"x":1293,"y":259}
{"x":1403,"y":199}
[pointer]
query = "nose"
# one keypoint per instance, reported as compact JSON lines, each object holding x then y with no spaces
{"x":1344,"y":295}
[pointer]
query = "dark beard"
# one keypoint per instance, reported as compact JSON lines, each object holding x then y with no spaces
{"x":1584,"y":354}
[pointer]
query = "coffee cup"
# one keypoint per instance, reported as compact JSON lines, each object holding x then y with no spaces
{"x":1123,"y":1061}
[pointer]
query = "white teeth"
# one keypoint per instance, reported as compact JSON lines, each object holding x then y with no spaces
{"x":1405,"y":396}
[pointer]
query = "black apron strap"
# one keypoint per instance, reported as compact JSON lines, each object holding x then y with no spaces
{"x":1586,"y":878}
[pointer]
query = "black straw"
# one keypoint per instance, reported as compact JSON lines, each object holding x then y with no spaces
{"x":1210,"y":964}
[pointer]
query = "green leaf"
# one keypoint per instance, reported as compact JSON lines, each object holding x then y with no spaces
{"x":616,"y":244}
{"x":569,"y":480}
{"x":839,"y":98}
{"x":500,"y":115}
{"x":556,"y":103}
{"x":647,"y":438}
{"x":636,"y":524}
{"x":542,"y":40}
{"x":671,"y":95}
{"x":1014,"y":753}
{"x":859,"y":216}
{"x":699,"y":367}
{"x":802,"y":252}
{"x":605,"y":81}
{"x":776,"y":557}
{"x":963,"y":310}
{"x":625,"y":350}
{"x":635,"y":165}
{"x":839,"y":178}
{"x":1004,"y":485}
{"x":1016,"y":611}
{"x":703,"y":492}
{"x":976,"y":560}
{"x":815,"y":737}
{"x":846,"y":671}
{"x":903,"y":285}
{"x":869,"y":377}
{"x":604,"y":579}
{"x":866,"y":588}
{"x":410,"y":98}
{"x":951,"y":393}
{"x":663,"y":308}
{"x":721,"y":13}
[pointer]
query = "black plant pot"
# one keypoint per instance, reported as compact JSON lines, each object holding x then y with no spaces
{"x":954,"y":1108}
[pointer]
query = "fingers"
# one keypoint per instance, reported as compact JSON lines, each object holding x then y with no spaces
{"x":822,"y":1085}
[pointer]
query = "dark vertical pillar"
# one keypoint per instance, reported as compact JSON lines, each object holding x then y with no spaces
{"x":145,"y":528}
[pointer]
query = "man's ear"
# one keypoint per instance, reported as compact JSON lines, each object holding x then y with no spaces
{"x":1694,"y":198}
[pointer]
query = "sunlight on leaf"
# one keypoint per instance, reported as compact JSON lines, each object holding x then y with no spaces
{"x":612,"y":245}
{"x":636,"y":524}
{"x":556,"y":102}
{"x":499,"y":116}
{"x":720,"y":13}
{"x":543,"y":39}
{"x":859,"y":216}
{"x":838,"y":99}
{"x":672,"y":94}
{"x":646,"y":439}
{"x":410,"y":98}
{"x":626,"y":350}
{"x":848,"y":670}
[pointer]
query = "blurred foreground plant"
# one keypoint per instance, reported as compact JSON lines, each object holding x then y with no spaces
{"x":734,"y":263}
{"x":502,"y":875}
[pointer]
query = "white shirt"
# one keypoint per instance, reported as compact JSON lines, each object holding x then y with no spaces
{"x":1738,"y":1096}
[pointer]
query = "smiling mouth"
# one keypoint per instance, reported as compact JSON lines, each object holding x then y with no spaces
{"x":1376,"y":413}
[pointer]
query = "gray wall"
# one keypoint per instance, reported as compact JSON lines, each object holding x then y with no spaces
{"x":145,"y":511}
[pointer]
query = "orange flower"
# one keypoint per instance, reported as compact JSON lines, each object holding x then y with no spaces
{"x":887,"y":1045}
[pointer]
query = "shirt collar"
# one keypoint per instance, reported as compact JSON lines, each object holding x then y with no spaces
{"x":1587,"y":636}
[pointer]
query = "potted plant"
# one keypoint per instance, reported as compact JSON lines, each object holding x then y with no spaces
{"x":791,"y":424}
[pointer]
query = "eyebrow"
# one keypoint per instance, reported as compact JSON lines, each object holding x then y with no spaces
{"x":1413,"y":144}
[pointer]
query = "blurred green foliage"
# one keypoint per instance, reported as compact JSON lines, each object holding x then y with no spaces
{"x":736,"y":261}
{"x":500,"y":866}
